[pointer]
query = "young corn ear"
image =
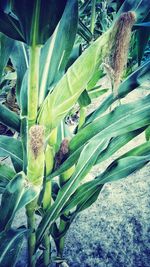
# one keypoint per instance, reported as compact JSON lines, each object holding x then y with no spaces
{"x":35,"y":170}
{"x":116,"y":40}
{"x":118,"y":47}
{"x":69,"y":88}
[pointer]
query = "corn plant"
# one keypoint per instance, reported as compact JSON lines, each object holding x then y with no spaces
{"x":48,"y":163}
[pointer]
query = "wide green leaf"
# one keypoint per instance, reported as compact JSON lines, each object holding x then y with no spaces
{"x":10,"y":199}
{"x":19,"y":54}
{"x":141,"y":150}
{"x":6,"y":174}
{"x":85,"y":163}
{"x":143,"y":35}
{"x":141,"y":8}
{"x":96,"y":92}
{"x":87,"y":193}
{"x":10,"y":245}
{"x":12,"y":147}
{"x":122,"y":168}
{"x":16,"y":195}
{"x":83,"y":197}
{"x":10,"y":26}
{"x":6,"y":45}
{"x":57,"y":49}
{"x":116,"y":143}
{"x":9,"y":118}
{"x":121,"y":120}
{"x":136,"y":79}
{"x":38,"y":19}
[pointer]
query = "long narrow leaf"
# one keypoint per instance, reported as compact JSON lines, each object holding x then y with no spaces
{"x":9,"y":118}
{"x":57,"y":49}
{"x":6,"y":45}
{"x":136,"y":79}
{"x":11,"y":147}
{"x":6,"y":174}
{"x":10,"y":245}
{"x":123,"y":119}
{"x":85,"y":163}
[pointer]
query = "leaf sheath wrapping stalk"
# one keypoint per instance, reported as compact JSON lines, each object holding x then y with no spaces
{"x":9,"y":118}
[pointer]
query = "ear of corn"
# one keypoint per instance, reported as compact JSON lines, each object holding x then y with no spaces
{"x":69,"y":88}
{"x":35,"y":170}
{"x":112,"y":45}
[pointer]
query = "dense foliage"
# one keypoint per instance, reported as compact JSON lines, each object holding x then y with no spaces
{"x":52,"y":59}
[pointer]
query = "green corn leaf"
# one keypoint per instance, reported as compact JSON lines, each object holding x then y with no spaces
{"x":68,"y":163}
{"x":6,"y":174}
{"x":75,"y":53}
{"x":16,"y":196}
{"x":143,"y":35}
{"x":57,"y":49}
{"x":24,"y":95}
{"x":83,"y":197}
{"x":141,"y":150}
{"x":98,"y":74}
{"x":9,"y":118}
{"x":116,"y":143}
{"x":84,"y":99}
{"x":122,"y":168}
{"x":84,"y":6}
{"x":38,"y":19}
{"x":142,"y":25}
{"x":11,"y":147}
{"x":6,"y":46}
{"x":10,"y":245}
{"x":10,"y":199}
{"x":19,"y":54}
{"x":140,"y":7}
{"x":119,"y":3}
{"x":97,"y":91}
{"x":85,"y":163}
{"x":63,"y":131}
{"x":10,"y":26}
{"x":147,"y":133}
{"x":123,"y":119}
{"x":87,"y":193}
{"x":107,"y":126}
{"x":84,"y":32}
{"x":136,"y":79}
{"x":58,"y":103}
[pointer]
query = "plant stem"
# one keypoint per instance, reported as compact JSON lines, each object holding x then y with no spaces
{"x":30,"y":209}
{"x":61,"y":243}
{"x":33,"y":88}
{"x":93,"y":13}
{"x":24,"y":142}
{"x":49,"y":160}
{"x":82,"y":117}
{"x":46,"y":252}
{"x":33,"y":84}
